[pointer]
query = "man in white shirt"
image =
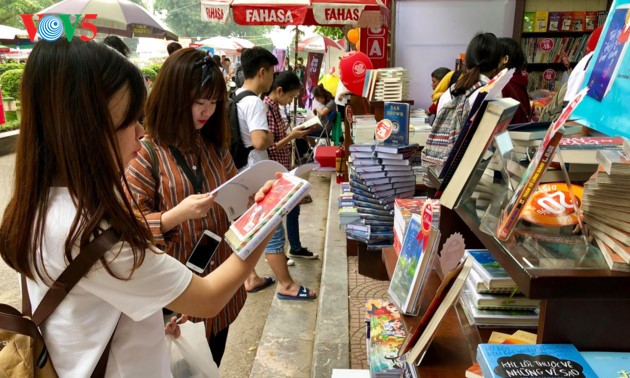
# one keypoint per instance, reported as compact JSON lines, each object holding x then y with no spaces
{"x":257,"y":66}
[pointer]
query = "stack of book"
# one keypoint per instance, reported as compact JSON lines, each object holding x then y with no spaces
{"x":404,"y":208}
{"x":347,"y":210}
{"x":385,"y":335}
{"x":363,"y":127}
{"x":606,"y":207}
{"x":378,"y":175}
{"x":386,"y":84}
{"x":491,"y":297}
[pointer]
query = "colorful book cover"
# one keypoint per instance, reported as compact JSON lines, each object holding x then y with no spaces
{"x":605,"y":108}
{"x":538,"y":360}
{"x":407,"y":265}
{"x":540,"y":24}
{"x":486,"y":266}
{"x":528,"y":21}
{"x":609,"y":364}
{"x":566,"y":20}
{"x":398,"y":113}
{"x":387,"y":335}
{"x":579,"y":21}
{"x":554,"y":21}
{"x":590,"y":21}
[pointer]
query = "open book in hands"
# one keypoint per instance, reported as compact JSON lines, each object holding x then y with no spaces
{"x":262,"y":218}
{"x":234,"y":194}
{"x":313,"y":123}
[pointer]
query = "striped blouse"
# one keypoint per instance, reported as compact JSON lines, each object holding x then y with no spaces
{"x":218,"y":167}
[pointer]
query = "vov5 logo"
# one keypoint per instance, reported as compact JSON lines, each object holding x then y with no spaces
{"x":50,"y":27}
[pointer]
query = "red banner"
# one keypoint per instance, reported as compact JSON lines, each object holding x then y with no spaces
{"x":269,"y":15}
{"x":311,"y":78}
{"x":373,"y":43}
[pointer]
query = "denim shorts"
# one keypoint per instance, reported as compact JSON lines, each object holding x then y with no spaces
{"x":276,"y":244}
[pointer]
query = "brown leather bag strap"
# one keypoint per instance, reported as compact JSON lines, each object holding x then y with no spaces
{"x":101,"y":366}
{"x":26,"y":301}
{"x":78,"y":268}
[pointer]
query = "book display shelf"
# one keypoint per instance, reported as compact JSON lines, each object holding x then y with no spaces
{"x":549,"y":31}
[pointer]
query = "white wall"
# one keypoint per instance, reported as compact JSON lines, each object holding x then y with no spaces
{"x":431,"y":34}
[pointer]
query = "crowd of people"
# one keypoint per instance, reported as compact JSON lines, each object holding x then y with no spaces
{"x":81,"y":169}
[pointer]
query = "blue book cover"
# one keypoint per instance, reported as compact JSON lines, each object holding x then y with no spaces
{"x":406,"y":271}
{"x":398,"y":113}
{"x":605,"y":107}
{"x":537,"y":360}
{"x":609,"y":364}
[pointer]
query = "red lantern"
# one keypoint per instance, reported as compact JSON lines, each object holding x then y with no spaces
{"x":352,"y":68}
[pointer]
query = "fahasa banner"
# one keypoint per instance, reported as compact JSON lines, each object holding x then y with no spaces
{"x":605,"y":107}
{"x":269,"y":15}
{"x":215,"y":11}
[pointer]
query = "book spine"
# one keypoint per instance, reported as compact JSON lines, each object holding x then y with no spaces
{"x":511,"y":217}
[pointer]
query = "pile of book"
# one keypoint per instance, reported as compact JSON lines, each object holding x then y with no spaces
{"x":386,"y":84}
{"x":363,"y":127}
{"x":404,"y":208}
{"x":492,"y":298}
{"x":347,"y":210}
{"x":385,"y":335}
{"x":607,"y":209}
{"x":378,"y":175}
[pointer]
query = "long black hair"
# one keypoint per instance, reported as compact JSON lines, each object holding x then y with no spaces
{"x":516,"y":58}
{"x":483,"y":55}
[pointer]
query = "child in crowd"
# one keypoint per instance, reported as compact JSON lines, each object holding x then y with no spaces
{"x":325,"y":114}
{"x":285,"y":88}
{"x":74,"y":145}
{"x":516,"y":88}
{"x":177,"y":206}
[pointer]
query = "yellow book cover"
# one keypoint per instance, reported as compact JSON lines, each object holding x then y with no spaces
{"x":540,"y":23}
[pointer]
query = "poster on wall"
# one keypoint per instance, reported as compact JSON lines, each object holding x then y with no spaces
{"x":605,"y":107}
{"x":310,"y":80}
{"x":280,"y":54}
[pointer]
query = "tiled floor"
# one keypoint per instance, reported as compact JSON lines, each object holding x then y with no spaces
{"x":360,"y":289}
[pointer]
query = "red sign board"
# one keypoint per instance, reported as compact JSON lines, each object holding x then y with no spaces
{"x":384,"y":130}
{"x":269,"y":15}
{"x":549,"y":75}
{"x":546,"y":44}
{"x":374,"y":44}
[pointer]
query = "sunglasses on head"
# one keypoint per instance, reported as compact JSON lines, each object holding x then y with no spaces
{"x":207,"y":64}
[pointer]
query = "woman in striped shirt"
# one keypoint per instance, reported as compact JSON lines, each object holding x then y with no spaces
{"x":185,"y":116}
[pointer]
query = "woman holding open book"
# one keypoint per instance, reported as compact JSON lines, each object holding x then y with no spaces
{"x":188,"y":134}
{"x":79,"y":130}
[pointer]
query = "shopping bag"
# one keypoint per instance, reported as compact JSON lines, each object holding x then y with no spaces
{"x":190,"y":354}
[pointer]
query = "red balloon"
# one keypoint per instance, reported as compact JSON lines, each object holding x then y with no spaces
{"x":352,"y":68}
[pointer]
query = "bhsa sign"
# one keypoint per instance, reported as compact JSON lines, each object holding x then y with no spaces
{"x":50,"y":27}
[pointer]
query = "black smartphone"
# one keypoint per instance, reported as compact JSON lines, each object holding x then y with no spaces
{"x":203,"y":251}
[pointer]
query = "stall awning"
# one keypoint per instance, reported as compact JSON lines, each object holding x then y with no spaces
{"x":266,"y":12}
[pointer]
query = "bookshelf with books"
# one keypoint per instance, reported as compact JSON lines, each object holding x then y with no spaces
{"x":549,"y":30}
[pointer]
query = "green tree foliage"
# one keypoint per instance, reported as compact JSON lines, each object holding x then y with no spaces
{"x":332,"y":32}
{"x":10,"y":83}
{"x":185,"y":20}
{"x":4,"y":67}
{"x":11,"y":9}
{"x":150,"y":73}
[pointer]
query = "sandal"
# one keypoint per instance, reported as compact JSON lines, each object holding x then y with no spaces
{"x":302,"y":295}
{"x":268,"y":282}
{"x":306,"y":199}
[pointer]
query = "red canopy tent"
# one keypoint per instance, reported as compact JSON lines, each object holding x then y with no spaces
{"x":362,"y":13}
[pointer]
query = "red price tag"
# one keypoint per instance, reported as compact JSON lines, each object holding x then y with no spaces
{"x":349,"y":113}
{"x":384,"y":130}
{"x":546,"y":44}
{"x":549,"y":75}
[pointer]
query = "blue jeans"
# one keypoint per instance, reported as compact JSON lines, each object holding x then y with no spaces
{"x":276,"y":244}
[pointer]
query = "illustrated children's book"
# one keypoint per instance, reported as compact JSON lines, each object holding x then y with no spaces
{"x":537,"y":360}
{"x":605,"y":108}
{"x":262,"y":218}
{"x":609,"y":364}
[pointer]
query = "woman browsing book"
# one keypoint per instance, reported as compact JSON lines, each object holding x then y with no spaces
{"x":79,"y":130}
{"x":185,"y":120}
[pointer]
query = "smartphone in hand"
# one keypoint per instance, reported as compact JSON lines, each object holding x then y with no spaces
{"x":203,"y":251}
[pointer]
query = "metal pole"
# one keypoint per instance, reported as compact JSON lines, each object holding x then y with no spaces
{"x":295,"y":47}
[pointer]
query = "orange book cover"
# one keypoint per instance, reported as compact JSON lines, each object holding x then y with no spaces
{"x":578,"y":22}
{"x":590,"y":20}
{"x":566,"y":19}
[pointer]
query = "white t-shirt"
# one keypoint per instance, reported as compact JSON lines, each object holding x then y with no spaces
{"x":252,"y":115}
{"x":77,"y":332}
{"x":446,"y":96}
